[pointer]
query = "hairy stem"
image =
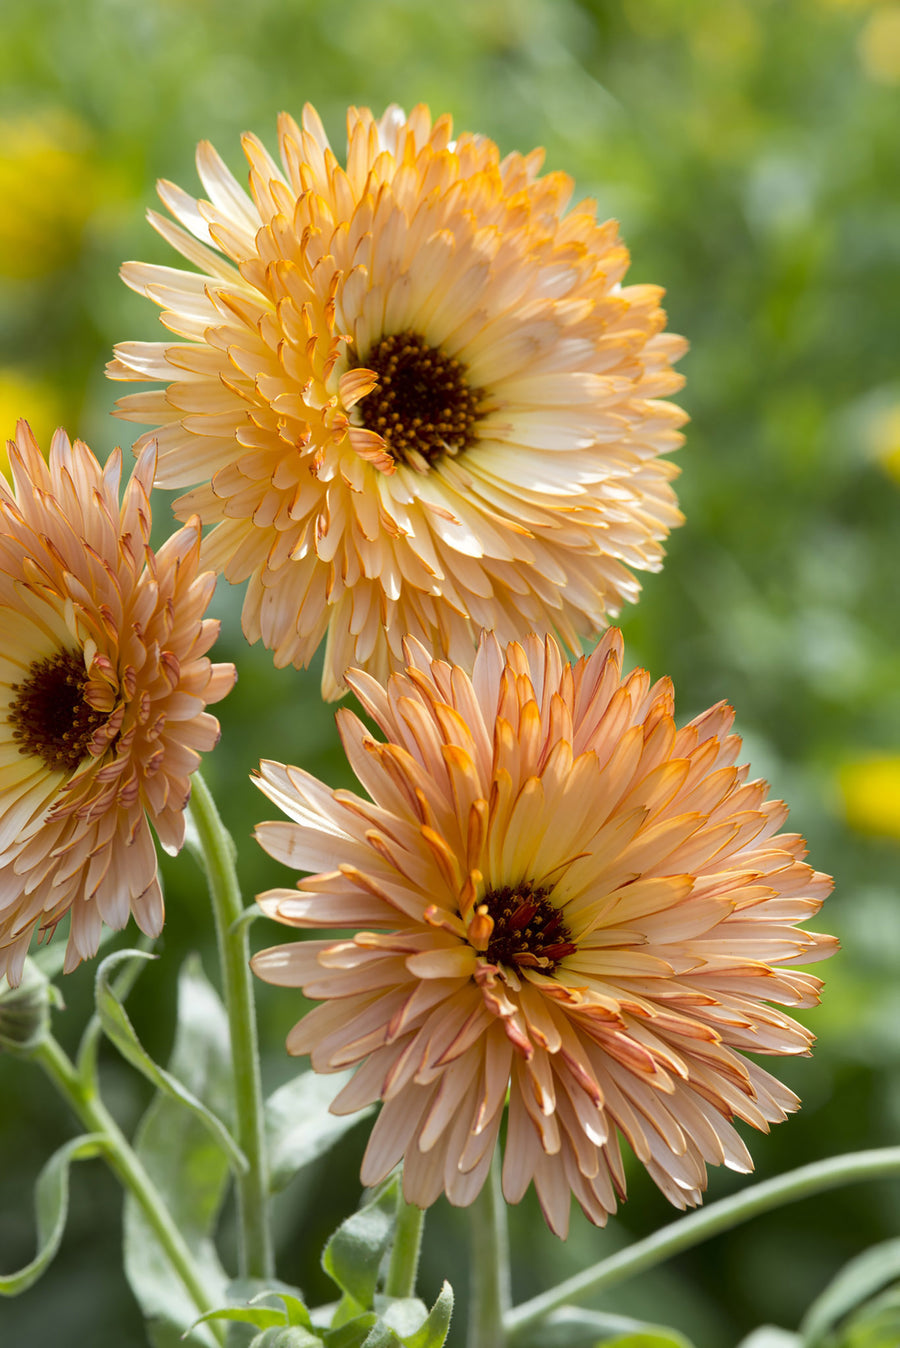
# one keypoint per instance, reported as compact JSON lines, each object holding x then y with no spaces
{"x":489,"y":1255}
{"x":127,"y":1166}
{"x":711,"y":1221}
{"x":217,"y":852}
{"x":404,"y":1264}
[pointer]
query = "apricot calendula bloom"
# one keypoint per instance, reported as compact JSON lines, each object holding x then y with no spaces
{"x":104,"y":679}
{"x":413,"y":393}
{"x":558,"y":896}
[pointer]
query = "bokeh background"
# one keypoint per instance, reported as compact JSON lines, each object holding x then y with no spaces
{"x":749,"y":149}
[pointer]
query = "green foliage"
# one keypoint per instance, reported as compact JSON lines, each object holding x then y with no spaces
{"x":648,"y":1338}
{"x":286,"y":1338}
{"x":861,"y":1307}
{"x":299,"y":1128}
{"x":575,"y":1327}
{"x":363,"y":1318}
{"x":51,"y":1204}
{"x":119,"y":1030}
{"x":185,"y":1160}
{"x":354,"y":1258}
{"x":770,"y":1336}
{"x":749,"y":151}
{"x":433,"y":1330}
{"x":245,"y":1298}
{"x":354,"y":1254}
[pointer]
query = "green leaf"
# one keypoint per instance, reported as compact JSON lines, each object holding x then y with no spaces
{"x":363,"y":1331}
{"x":353,"y":1334}
{"x":771,"y":1336}
{"x":433,"y":1331}
{"x":286,"y":1337}
{"x":649,"y":1338}
{"x":856,"y":1283}
{"x":382,"y":1336}
{"x":120,"y":1031}
{"x":575,"y":1327}
{"x":253,"y":1291}
{"x":874,"y":1325}
{"x":261,"y":1317}
{"x":89,"y":1048}
{"x":51,"y":1204}
{"x":247,"y":917}
{"x":353,"y":1255}
{"x":245,"y":1298}
{"x":404,"y":1315}
{"x":186,"y":1163}
{"x":299,"y":1128}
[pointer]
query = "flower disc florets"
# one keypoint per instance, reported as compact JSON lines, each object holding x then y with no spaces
{"x":553,"y":895}
{"x":412,"y":394}
{"x":104,"y":679}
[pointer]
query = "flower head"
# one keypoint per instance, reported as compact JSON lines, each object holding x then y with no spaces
{"x":559,"y":897}
{"x":414,"y":393}
{"x":103,"y":682}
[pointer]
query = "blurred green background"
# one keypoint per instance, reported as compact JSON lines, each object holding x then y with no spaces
{"x":749,"y":151}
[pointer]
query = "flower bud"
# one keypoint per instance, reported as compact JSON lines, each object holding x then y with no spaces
{"x":25,"y":1011}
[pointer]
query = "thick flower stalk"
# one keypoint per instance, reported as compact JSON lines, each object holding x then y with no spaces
{"x":412,"y":395}
{"x":558,"y":897}
{"x":104,"y":678}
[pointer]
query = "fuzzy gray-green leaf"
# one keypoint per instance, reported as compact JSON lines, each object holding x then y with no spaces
{"x":433,"y":1331}
{"x":856,"y":1283}
{"x":299,"y":1128}
{"x":51,"y":1203}
{"x":119,"y":1030}
{"x":575,"y":1327}
{"x":185,"y":1162}
{"x":354,"y":1253}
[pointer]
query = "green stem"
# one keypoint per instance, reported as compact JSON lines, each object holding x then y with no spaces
{"x":404,"y":1264}
{"x":127,"y":1166}
{"x":217,"y":851}
{"x":489,"y":1262}
{"x":699,"y":1226}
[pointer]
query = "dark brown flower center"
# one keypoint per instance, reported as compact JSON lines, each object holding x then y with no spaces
{"x":49,"y":714}
{"x":422,"y":405}
{"x":528,"y":930}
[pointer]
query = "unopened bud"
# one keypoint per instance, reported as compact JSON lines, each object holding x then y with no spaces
{"x":25,"y":1011}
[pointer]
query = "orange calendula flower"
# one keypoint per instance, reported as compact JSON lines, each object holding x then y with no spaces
{"x":412,"y":395}
{"x":104,"y":679}
{"x":559,"y":899}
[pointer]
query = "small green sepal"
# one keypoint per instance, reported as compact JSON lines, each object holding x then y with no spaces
{"x":25,"y":1011}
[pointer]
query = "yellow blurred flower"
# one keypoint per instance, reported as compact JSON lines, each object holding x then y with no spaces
{"x":850,"y":4}
{"x":870,"y":788}
{"x":879,"y":45}
{"x":21,"y":395}
{"x":48,"y":186}
{"x":884,"y":438}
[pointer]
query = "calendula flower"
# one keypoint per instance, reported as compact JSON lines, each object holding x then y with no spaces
{"x":560,"y":898}
{"x":103,"y":682}
{"x":414,"y":393}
